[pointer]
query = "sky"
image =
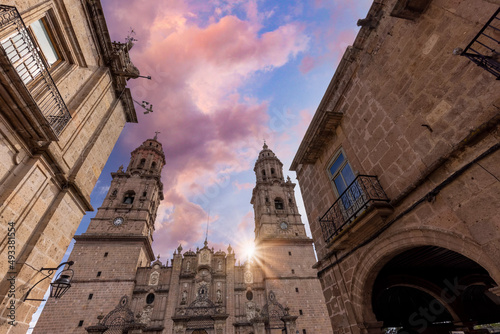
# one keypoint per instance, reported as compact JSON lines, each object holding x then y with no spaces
{"x":226,"y":75}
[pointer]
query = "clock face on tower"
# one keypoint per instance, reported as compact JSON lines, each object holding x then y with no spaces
{"x":118,"y":221}
{"x":284,"y":225}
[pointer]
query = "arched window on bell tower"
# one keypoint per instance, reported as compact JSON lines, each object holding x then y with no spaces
{"x":153,"y":166}
{"x":278,"y":203}
{"x":129,"y":196}
{"x":142,"y":163}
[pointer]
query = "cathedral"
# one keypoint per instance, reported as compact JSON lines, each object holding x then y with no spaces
{"x":120,"y":287}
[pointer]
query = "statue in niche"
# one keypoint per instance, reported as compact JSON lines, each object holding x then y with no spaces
{"x":188,"y":266}
{"x":251,"y":311}
{"x":184,"y":297}
{"x":145,"y":315}
{"x":219,"y":265}
{"x":203,"y":292}
{"x":219,"y":296}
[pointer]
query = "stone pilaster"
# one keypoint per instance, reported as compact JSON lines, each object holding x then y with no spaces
{"x":174,"y":293}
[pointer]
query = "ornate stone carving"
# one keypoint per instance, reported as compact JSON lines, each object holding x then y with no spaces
{"x":251,"y":311}
{"x":248,"y":277}
{"x":273,"y":311}
{"x":154,"y":278}
{"x":145,"y":315}
{"x":184,"y":297}
{"x":204,"y":256}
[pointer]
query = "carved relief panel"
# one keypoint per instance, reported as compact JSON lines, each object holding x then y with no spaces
{"x":205,"y":257}
{"x":154,"y":278}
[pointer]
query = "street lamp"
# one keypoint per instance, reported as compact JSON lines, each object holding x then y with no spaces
{"x":59,"y":287}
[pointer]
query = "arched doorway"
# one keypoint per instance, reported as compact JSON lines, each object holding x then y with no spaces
{"x":199,"y":331}
{"x":433,"y":290}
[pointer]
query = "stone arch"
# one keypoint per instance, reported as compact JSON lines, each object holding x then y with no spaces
{"x":374,"y":257}
{"x":428,"y":288}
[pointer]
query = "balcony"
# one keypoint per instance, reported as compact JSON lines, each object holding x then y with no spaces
{"x":22,"y":53}
{"x":484,"y":48}
{"x":363,"y":193}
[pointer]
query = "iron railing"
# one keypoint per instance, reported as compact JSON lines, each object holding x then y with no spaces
{"x":24,"y":54}
{"x":364,"y":190}
{"x":484,"y":49}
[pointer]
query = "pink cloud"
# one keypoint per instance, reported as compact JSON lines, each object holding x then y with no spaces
{"x":307,"y":64}
{"x":241,"y":186}
{"x":207,"y":126}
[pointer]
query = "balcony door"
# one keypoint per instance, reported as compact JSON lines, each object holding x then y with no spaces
{"x":342,"y":178}
{"x":23,"y":55}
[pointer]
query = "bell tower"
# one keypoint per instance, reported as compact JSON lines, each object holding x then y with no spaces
{"x":273,"y":199}
{"x":134,"y":195}
{"x":116,"y":243}
{"x":282,"y":248}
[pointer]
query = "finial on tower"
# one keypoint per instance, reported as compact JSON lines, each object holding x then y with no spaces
{"x":265,"y":145}
{"x":156,"y":135}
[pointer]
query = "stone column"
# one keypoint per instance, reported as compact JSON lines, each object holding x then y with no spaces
{"x":230,"y":301}
{"x":173,"y":295}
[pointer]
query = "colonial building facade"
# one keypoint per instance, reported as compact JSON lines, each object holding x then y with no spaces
{"x":63,"y":104}
{"x":400,"y":171}
{"x":118,"y":287}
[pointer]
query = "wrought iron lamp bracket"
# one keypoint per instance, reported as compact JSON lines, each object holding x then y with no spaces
{"x":50,"y":272}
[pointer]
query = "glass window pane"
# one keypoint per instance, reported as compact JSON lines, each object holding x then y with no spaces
{"x":340,"y":184}
{"x":44,"y":42}
{"x":348,"y":174}
{"x":337,"y":163}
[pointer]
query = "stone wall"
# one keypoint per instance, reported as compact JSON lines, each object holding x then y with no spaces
{"x":45,"y":185}
{"x":425,"y":122}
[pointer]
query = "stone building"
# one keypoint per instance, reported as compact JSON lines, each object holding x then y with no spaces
{"x":400,"y":171}
{"x":202,"y":291}
{"x":63,"y":104}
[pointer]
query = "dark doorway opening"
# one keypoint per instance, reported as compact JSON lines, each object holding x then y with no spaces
{"x":433,"y":290}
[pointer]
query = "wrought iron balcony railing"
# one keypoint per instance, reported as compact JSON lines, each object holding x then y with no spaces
{"x":25,"y":56}
{"x":484,"y":49}
{"x":363,"y":191}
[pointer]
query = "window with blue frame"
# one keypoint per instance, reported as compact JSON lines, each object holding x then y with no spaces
{"x":342,"y":177}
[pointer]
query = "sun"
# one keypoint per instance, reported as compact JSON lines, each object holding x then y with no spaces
{"x":249,"y":250}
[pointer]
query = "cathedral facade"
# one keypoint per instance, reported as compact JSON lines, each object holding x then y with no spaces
{"x":119,"y":286}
